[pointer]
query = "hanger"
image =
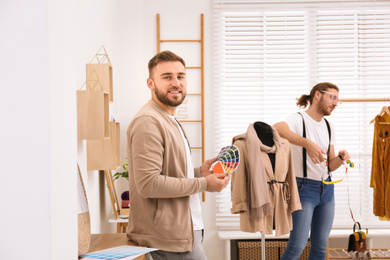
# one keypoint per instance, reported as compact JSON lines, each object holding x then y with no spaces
{"x":385,"y":110}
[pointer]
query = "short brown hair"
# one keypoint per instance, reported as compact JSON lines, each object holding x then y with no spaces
{"x":305,"y":99}
{"x":163,"y":57}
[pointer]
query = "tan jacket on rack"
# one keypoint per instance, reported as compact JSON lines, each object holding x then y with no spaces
{"x":280,"y":186}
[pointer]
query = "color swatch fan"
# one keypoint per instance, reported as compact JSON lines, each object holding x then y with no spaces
{"x":228,"y":160}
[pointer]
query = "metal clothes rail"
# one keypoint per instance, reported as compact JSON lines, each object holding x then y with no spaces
{"x":365,"y":99}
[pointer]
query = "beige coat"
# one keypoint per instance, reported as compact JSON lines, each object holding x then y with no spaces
{"x":283,"y":194}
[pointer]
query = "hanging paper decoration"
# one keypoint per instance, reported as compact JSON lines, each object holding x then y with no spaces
{"x":228,"y":160}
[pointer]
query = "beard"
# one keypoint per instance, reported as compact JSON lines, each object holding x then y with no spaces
{"x":323,"y":108}
{"x":163,"y":98}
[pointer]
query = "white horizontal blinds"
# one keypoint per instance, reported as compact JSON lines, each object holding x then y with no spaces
{"x":268,"y":54}
{"x":353,"y":51}
{"x":337,"y":59}
{"x":257,"y":49}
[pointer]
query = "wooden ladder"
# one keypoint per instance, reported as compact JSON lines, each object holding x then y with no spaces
{"x":201,"y":68}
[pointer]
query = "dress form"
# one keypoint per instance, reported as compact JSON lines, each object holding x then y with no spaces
{"x":264,"y":132}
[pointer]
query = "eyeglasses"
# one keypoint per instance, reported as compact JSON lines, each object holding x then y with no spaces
{"x":333,"y":97}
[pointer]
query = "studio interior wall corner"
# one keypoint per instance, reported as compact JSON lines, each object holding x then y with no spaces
{"x":62,"y":47}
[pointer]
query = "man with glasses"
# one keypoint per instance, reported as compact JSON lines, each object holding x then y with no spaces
{"x":312,"y":136}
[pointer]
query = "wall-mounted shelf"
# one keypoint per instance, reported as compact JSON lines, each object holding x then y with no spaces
{"x":104,"y":154}
{"x":100,"y":69}
{"x":92,"y":114}
{"x":103,"y":73}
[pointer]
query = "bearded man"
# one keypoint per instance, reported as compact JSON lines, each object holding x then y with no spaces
{"x":312,"y":136}
{"x":165,"y":211}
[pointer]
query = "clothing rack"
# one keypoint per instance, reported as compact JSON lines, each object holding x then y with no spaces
{"x":342,"y":253}
{"x":262,"y":246}
{"x":365,"y":99}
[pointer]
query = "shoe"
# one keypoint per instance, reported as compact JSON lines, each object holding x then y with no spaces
{"x":355,"y":255}
{"x":367,"y":255}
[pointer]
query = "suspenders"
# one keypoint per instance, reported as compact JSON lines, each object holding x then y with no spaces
{"x":304,"y":149}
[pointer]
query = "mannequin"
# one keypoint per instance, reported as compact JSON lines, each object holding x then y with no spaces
{"x":264,"y":197}
{"x":264,"y":132}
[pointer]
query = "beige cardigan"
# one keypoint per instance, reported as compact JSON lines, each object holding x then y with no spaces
{"x":283,"y":194}
{"x":160,"y":215}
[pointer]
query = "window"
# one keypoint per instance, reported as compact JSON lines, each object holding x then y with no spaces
{"x":268,"y":53}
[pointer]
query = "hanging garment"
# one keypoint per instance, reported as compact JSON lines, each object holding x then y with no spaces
{"x":381,"y":117}
{"x":380,"y":175}
{"x":276,"y":190}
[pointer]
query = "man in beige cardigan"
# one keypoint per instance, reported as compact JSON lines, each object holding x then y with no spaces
{"x":165,"y":208}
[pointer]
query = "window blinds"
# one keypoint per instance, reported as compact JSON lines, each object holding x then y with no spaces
{"x":268,"y":53}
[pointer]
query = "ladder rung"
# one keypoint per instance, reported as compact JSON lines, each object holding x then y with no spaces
{"x":180,"y":40}
{"x":190,"y":121}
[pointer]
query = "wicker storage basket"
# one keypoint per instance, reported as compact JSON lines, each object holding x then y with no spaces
{"x":250,"y":250}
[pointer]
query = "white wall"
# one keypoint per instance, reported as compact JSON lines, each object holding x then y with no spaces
{"x":38,"y":191}
{"x":25,"y":177}
{"x":95,"y":27}
{"x":61,"y":43}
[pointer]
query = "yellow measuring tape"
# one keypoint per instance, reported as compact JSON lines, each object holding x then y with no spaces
{"x":346,"y":164}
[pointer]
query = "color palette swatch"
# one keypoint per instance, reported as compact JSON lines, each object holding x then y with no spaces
{"x":120,"y":252}
{"x":228,"y":160}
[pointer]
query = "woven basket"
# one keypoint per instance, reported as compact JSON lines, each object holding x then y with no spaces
{"x":84,"y":222}
{"x":250,"y":250}
{"x":84,"y":233}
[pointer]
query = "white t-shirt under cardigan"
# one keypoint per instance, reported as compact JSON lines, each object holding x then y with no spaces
{"x":196,"y":210}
